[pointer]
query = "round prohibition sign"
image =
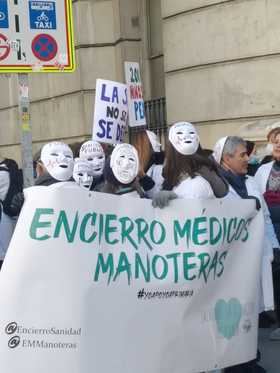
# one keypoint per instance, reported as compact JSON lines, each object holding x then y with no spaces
{"x":4,"y":47}
{"x":44,"y":47}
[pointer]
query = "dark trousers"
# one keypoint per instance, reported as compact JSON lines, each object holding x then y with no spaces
{"x":276,"y":286}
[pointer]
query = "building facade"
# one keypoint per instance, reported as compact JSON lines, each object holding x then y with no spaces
{"x":216,"y":63}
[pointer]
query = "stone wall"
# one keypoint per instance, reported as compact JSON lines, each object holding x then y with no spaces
{"x":221,"y":65}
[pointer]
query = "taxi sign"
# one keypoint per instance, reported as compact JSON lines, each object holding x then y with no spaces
{"x":36,"y":36}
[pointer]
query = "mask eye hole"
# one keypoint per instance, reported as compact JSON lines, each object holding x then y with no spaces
{"x":90,"y":159}
{"x":80,"y":174}
{"x":131,"y":159}
{"x":100,"y":157}
{"x":192,"y":133}
{"x":54,"y":154}
{"x":179,"y":133}
{"x":68,"y":156}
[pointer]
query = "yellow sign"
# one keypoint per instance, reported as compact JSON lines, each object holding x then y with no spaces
{"x":41,"y":40}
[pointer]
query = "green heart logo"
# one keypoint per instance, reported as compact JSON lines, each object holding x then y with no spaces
{"x":228,"y":315}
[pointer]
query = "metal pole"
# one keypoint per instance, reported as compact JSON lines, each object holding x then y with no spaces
{"x":25,"y":129}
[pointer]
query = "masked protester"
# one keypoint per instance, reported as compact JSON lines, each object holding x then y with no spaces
{"x":151,"y":160}
{"x":57,"y":161}
{"x":231,"y":154}
{"x":93,"y":153}
{"x":187,"y":172}
{"x":121,"y":171}
{"x":55,"y":165}
{"x":268,"y":180}
{"x":82,"y":173}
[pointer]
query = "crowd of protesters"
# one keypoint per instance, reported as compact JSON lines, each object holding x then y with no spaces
{"x":185,"y":170}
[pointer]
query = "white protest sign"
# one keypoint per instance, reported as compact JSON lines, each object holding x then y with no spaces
{"x":135,"y":95}
{"x":110,"y":112}
{"x":102,"y":283}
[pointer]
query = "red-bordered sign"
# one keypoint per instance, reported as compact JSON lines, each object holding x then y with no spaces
{"x":26,"y":48}
{"x":44,"y":47}
{"x":4,"y":47}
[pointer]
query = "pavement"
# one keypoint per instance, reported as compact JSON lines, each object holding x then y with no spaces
{"x":270,"y":351}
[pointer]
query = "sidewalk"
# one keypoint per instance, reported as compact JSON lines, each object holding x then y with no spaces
{"x":270,"y":351}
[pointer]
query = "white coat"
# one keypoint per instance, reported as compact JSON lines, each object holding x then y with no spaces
{"x":198,"y":187}
{"x":7,"y":226}
{"x":266,"y":288}
{"x":262,"y":176}
{"x":261,"y":179}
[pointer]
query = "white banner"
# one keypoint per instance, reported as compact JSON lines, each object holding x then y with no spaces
{"x":136,"y":106}
{"x":101,"y":283}
{"x":110,"y":112}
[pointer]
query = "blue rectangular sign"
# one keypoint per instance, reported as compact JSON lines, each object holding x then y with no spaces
{"x":4,"y":16}
{"x":42,"y":15}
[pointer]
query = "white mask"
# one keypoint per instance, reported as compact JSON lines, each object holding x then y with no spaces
{"x":57,"y":157}
{"x":93,"y":152}
{"x":184,"y":138}
{"x":124,"y":163}
{"x":82,"y":173}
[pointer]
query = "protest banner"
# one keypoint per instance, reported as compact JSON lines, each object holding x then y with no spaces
{"x":136,"y":108}
{"x":102,"y":283}
{"x":110,"y":112}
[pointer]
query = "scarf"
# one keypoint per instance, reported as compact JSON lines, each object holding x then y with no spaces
{"x":238,"y":182}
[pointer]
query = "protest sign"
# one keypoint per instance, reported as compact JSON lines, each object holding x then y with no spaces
{"x":110,"y":112}
{"x":135,"y":95}
{"x":102,"y":283}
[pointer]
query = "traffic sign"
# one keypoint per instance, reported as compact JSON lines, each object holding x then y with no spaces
{"x":42,"y":15}
{"x":36,"y":36}
{"x":44,"y":47}
{"x":4,"y":16}
{"x":4,"y":47}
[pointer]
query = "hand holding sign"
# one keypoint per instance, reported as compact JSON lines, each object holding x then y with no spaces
{"x":110,"y":112}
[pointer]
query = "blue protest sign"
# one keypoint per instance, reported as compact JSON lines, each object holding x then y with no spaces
{"x":4,"y":16}
{"x":42,"y":15}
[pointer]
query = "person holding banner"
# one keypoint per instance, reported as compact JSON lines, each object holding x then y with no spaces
{"x":151,"y":160}
{"x":231,"y":154}
{"x":187,"y":172}
{"x":55,"y":165}
{"x":121,"y":171}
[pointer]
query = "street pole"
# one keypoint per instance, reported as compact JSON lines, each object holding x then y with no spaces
{"x":25,"y":129}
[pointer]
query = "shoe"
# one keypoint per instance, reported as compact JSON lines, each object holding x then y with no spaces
{"x":266,"y":319}
{"x":259,"y":369}
{"x":275,"y":335}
